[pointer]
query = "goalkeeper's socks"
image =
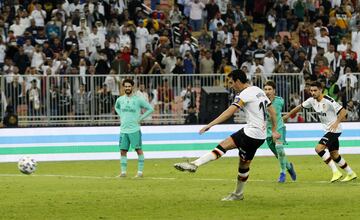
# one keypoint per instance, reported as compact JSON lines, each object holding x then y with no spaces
{"x":243,"y":175}
{"x":213,"y":155}
{"x":140,"y":163}
{"x":343,"y":165}
{"x":325,"y":155}
{"x":123,"y":163}
{"x":282,"y":158}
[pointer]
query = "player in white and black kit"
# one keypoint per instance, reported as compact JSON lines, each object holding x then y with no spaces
{"x":330,"y":114}
{"x":253,"y":101}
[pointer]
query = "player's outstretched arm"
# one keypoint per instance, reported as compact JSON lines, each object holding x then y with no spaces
{"x":221,"y":118}
{"x":272,"y":114}
{"x":293,"y":111}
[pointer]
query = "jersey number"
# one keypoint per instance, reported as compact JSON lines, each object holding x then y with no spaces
{"x":262,"y":106}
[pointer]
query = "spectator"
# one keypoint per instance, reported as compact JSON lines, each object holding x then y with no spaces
{"x":212,"y":9}
{"x":234,"y":53}
{"x":207,"y":64}
{"x":347,"y":84}
{"x":81,"y":101}
{"x":352,"y":112}
{"x":269,"y":64}
{"x":281,"y":9}
{"x":96,"y":38}
{"x":165,"y":97}
{"x":323,"y":41}
{"x":10,"y":119}
{"x":205,"y":38}
{"x":65,"y":101}
{"x":141,"y":37}
{"x":39,"y":15}
{"x":106,"y":100}
{"x":179,"y":66}
{"x":191,"y":117}
{"x":189,"y":98}
{"x":2,"y":53}
{"x":333,"y":89}
{"x":330,"y":54}
{"x":186,"y":46}
{"x":196,"y":8}
{"x":175,"y":15}
{"x":169,"y":61}
{"x":189,"y":63}
{"x":17,"y":28}
{"x":156,"y":69}
{"x":14,"y":91}
{"x":113,"y":83}
{"x":135,"y":59}
{"x":270,"y":24}
{"x":33,"y":99}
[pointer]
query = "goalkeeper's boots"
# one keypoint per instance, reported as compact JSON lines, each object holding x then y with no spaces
{"x":233,"y":197}
{"x":349,"y":177}
{"x":292,"y":172}
{"x":282,"y":178}
{"x":186,"y":166}
{"x":336,"y":176}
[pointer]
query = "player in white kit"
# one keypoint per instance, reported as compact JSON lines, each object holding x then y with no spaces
{"x":253,"y":101}
{"x":330,"y":114}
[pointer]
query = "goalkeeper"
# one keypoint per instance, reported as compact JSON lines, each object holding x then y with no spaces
{"x":278,"y":147}
{"x":128,"y":107}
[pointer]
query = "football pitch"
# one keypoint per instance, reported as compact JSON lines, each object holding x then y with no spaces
{"x":90,"y":190}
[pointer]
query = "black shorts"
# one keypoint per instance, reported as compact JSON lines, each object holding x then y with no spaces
{"x":331,"y":141}
{"x":247,"y":145}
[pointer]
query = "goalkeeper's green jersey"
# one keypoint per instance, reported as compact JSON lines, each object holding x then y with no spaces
{"x":129,"y":110}
{"x":277,"y":104}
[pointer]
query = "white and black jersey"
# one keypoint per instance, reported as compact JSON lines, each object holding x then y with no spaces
{"x":327,"y":110}
{"x":255,"y":108}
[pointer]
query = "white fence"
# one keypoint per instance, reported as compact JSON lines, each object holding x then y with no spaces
{"x":60,"y":100}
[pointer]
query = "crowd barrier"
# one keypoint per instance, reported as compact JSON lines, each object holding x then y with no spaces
{"x":88,"y":100}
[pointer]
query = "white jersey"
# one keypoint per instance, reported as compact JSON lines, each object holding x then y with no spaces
{"x":255,"y":108}
{"x":327,"y":110}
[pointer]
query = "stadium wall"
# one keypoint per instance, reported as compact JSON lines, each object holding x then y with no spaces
{"x":101,"y":143}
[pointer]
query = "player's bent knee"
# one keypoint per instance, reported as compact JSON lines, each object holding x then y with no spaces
{"x":228,"y":144}
{"x":319,"y":148}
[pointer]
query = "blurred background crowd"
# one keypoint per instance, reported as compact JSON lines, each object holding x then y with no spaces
{"x":68,"y":57}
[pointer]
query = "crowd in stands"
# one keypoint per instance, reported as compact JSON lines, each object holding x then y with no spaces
{"x":313,"y":39}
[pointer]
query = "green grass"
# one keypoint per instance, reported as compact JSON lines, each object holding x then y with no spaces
{"x":88,"y":190}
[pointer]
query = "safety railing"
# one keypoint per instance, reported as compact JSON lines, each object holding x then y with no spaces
{"x":73,"y":100}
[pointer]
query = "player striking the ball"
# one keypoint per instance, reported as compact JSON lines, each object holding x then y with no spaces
{"x":330,"y":114}
{"x":253,"y":101}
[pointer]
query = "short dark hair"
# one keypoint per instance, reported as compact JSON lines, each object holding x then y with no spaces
{"x":128,"y":81}
{"x":238,"y":75}
{"x":317,"y":84}
{"x":270,"y":83}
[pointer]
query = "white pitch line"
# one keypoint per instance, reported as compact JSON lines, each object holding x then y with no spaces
{"x":163,"y":178}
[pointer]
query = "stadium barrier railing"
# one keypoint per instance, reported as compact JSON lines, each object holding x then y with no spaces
{"x":74,"y":100}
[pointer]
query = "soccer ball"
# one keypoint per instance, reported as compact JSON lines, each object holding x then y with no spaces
{"x":27,"y":165}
